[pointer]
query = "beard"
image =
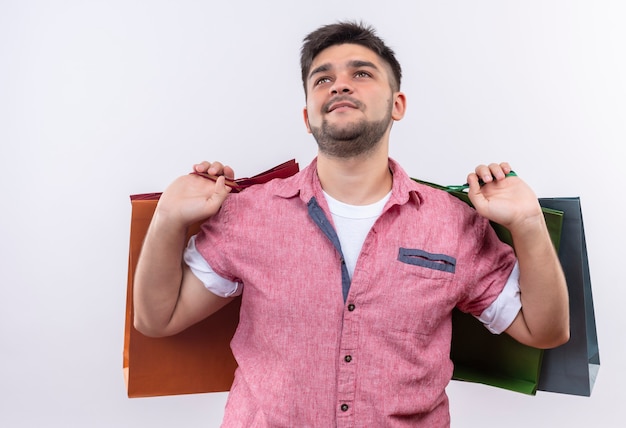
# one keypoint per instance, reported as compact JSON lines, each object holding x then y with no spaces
{"x":352,"y":139}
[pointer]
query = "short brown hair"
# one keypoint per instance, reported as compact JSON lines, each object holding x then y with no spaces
{"x":347,"y":32}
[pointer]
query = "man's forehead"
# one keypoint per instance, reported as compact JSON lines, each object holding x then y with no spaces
{"x":345,"y":54}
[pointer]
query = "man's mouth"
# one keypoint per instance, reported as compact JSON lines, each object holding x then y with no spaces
{"x":341,"y":104}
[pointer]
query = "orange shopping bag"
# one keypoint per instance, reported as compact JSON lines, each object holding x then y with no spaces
{"x":198,"y":359}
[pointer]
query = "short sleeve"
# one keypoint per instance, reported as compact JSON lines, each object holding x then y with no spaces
{"x":212,"y":281}
{"x":501,"y":313}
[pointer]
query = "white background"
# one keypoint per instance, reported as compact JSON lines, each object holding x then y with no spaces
{"x":103,"y":99}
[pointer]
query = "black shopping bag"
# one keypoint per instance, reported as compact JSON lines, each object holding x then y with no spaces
{"x":572,"y":368}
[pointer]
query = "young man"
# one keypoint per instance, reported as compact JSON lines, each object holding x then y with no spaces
{"x":349,"y":270}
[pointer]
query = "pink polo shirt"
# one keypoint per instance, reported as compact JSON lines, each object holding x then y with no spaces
{"x":316,"y":348}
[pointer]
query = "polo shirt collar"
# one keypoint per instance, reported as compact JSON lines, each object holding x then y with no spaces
{"x":306,"y":184}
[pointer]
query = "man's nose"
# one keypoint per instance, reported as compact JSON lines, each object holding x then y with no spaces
{"x":341,"y":86}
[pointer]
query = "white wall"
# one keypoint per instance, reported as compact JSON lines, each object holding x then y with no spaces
{"x":102,"y":99}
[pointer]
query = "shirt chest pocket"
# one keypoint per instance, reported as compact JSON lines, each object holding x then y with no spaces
{"x":428,"y":261}
{"x":427,"y":293}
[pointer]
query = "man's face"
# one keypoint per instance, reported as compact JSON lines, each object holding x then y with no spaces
{"x":350,"y":103}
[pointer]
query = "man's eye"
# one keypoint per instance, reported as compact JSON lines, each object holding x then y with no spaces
{"x":322,"y":80}
{"x":362,"y":74}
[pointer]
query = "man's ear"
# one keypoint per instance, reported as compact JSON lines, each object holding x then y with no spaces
{"x":305,"y":115}
{"x":399,"y":106}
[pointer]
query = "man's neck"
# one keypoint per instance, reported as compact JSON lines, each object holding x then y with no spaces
{"x":361,"y":180}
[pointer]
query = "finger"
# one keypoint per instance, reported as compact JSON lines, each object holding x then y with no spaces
{"x":474,"y":191}
{"x":221,"y":189}
{"x":484,"y":173}
{"x":216,"y":168}
{"x":229,"y":172}
{"x":496,"y":171}
{"x":474,"y":184}
{"x":202,"y":166}
{"x":506,"y":167}
{"x":500,"y":171}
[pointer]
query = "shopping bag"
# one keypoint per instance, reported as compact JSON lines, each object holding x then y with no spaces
{"x":496,"y":360}
{"x":572,"y":367}
{"x":198,"y":359}
{"x":499,"y":360}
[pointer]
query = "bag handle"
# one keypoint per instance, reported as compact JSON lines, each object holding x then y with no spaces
{"x":284,"y":170}
{"x":462,"y":187}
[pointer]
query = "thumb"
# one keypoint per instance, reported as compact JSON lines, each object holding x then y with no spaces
{"x":474,"y":192}
{"x":221,"y":190}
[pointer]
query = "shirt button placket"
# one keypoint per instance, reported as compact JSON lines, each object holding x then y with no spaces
{"x":346,"y":386}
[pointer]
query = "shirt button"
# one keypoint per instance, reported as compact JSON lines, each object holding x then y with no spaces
{"x":351,"y":307}
{"x":344,"y":407}
{"x":347,"y":358}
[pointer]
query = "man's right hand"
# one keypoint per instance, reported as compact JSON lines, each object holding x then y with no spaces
{"x":192,"y":198}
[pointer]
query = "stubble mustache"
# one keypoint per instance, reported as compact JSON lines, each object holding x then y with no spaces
{"x":340,"y":99}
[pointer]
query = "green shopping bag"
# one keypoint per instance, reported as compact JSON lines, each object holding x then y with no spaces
{"x":497,"y":360}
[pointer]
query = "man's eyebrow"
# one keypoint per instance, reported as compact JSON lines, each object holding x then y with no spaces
{"x":356,"y":63}
{"x":321,"y":69}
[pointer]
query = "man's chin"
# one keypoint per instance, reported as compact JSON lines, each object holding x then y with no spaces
{"x":344,"y":131}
